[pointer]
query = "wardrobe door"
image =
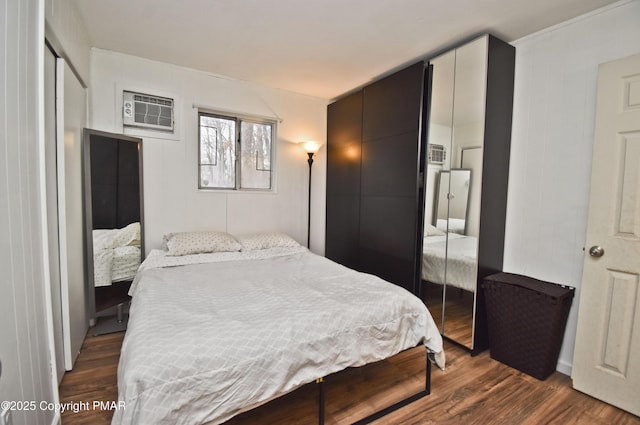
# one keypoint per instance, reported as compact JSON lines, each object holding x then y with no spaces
{"x":469,"y":137}
{"x":495,"y":173}
{"x":344,"y":139}
{"x":390,"y":214}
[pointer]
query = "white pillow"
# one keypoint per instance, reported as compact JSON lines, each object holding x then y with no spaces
{"x":430,"y":230}
{"x":258,"y":241}
{"x":186,"y":243}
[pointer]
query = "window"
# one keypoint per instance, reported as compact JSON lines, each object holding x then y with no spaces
{"x":235,"y":153}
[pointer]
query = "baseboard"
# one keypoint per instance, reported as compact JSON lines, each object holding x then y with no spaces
{"x":564,"y":367}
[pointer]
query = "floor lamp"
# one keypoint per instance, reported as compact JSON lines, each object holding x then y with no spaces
{"x":310,"y":148}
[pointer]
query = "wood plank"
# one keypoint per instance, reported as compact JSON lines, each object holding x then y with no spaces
{"x":472,"y":390}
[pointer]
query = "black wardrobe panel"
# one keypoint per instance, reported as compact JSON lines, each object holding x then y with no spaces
{"x":342,"y":233}
{"x":388,"y":226}
{"x":115,"y":182}
{"x":373,"y":154}
{"x":104,"y":159}
{"x":344,"y":134}
{"x":499,"y":102}
{"x":389,"y":211}
{"x":104,"y":206}
{"x":129,"y":205}
{"x":128,"y":172}
{"x":394,"y":270}
{"x":495,"y":174}
{"x":390,"y":165}
{"x":104,"y":181}
{"x":343,"y":169}
{"x":345,"y":120}
{"x":128,"y":183}
{"x":392,"y":105}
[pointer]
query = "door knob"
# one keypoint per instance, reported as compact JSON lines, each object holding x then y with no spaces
{"x":596,"y":251}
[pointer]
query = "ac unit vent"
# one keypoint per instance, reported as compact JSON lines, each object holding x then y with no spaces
{"x":437,"y":154}
{"x":147,"y":111}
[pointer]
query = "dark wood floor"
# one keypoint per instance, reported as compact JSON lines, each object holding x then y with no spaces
{"x":472,"y":390}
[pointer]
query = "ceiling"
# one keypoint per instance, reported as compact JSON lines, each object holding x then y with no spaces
{"x":320,"y":48}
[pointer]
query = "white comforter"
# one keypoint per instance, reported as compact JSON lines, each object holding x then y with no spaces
{"x":459,"y":262}
{"x":208,"y":341}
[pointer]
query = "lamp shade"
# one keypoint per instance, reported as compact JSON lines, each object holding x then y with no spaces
{"x":311,"y":146}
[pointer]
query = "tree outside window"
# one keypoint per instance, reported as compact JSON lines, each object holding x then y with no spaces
{"x":235,"y":152}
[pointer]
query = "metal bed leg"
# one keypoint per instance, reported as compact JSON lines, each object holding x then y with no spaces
{"x":427,"y":390}
{"x":427,"y":386}
{"x":120,"y":312}
{"x":320,"y":382}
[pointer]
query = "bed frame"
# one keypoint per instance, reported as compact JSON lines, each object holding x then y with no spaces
{"x":383,"y":412}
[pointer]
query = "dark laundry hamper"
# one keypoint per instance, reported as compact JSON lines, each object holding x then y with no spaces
{"x":526,"y":318}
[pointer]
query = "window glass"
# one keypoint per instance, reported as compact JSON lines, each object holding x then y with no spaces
{"x":217,"y":152}
{"x":255,"y":148}
{"x":235,"y":152}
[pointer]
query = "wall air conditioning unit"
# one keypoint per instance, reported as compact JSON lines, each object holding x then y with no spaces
{"x":147,"y":111}
{"x":437,"y":154}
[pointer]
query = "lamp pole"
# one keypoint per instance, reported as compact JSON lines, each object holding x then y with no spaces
{"x":310,"y":161}
{"x":310,"y":148}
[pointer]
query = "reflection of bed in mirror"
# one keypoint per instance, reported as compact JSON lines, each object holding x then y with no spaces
{"x":456,"y":256}
{"x":116,"y":254}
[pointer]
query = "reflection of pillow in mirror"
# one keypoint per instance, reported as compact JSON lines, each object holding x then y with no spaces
{"x":430,"y":230}
{"x":128,"y":235}
{"x":266,"y":240}
{"x":200,"y":242}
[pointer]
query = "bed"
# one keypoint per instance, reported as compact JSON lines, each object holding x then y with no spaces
{"x":215,"y":334}
{"x":457,"y":252}
{"x":116,"y":254}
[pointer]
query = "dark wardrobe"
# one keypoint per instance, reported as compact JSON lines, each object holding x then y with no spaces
{"x":375,"y":139}
{"x":379,"y":170}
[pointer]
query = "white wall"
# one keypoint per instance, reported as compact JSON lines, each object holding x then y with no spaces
{"x":551,"y":150}
{"x":24,"y":332}
{"x":172,"y":199}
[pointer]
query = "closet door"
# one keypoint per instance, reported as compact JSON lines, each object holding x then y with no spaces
{"x":469,"y":136}
{"x":71,"y":118}
{"x":390,"y":214}
{"x":344,"y":135}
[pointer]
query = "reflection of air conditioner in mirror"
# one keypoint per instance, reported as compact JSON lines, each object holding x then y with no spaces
{"x":437,"y":154}
{"x":147,"y":111}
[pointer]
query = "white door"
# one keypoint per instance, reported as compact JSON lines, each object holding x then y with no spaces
{"x":71,"y":119}
{"x":606,"y":362}
{"x":52,"y":208}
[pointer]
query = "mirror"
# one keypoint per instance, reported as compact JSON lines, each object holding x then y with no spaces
{"x":452,"y":201}
{"x":452,"y":191}
{"x":114,"y":242}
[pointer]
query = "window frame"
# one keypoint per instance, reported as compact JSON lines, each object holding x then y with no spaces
{"x":239,"y":119}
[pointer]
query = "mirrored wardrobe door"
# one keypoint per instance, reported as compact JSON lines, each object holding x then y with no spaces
{"x":469,"y":125}
{"x":437,"y":186}
{"x":452,"y":198}
{"x":462,"y":235}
